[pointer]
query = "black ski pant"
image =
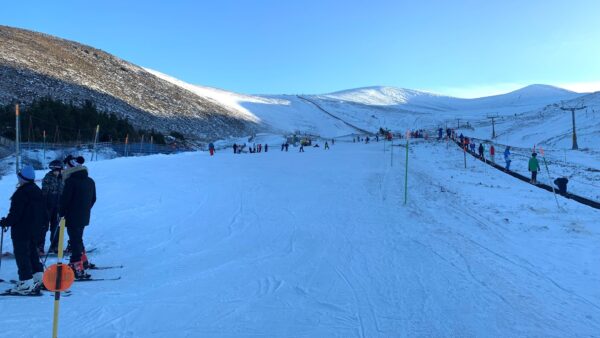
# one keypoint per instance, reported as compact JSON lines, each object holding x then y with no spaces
{"x":53,"y":215}
{"x":28,"y":261}
{"x":534,"y":176}
{"x":76,"y":241}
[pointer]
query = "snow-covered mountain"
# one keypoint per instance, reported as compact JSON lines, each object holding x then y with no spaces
{"x":525,"y":98}
{"x":368,"y":109}
{"x":550,"y":126}
{"x":34,"y":65}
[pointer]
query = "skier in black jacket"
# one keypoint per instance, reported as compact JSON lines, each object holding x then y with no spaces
{"x":76,"y":202}
{"x":26,"y":217}
{"x":481,"y":151}
{"x":561,"y":183}
{"x":52,"y":186}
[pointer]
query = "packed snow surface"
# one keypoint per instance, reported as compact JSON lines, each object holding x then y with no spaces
{"x":320,"y":244}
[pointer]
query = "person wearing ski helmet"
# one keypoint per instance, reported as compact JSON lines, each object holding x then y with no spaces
{"x":26,"y":218}
{"x":76,"y":202}
{"x":52,"y":187}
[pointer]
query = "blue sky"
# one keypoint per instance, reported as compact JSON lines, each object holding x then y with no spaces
{"x":463,"y":48}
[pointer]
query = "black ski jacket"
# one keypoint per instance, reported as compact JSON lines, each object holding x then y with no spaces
{"x":27,"y":213}
{"x":78,"y":198}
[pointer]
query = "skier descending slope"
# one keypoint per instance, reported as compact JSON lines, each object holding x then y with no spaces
{"x":77,"y":200}
{"x":26,"y":217}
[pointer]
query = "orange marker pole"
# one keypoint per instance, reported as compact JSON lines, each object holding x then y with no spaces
{"x":59,"y":284}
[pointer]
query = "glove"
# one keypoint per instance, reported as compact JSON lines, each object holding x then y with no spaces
{"x":3,"y":224}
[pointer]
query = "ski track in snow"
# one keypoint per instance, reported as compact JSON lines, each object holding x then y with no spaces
{"x":320,"y":245}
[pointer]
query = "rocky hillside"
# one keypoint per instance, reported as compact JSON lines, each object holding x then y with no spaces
{"x":34,"y":65}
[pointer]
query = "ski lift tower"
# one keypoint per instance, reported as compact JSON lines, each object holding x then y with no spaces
{"x":572,"y":110}
{"x":493,"y":117}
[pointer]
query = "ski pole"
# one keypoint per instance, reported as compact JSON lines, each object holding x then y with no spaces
{"x":53,"y":237}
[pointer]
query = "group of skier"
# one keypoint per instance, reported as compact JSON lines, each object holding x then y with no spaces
{"x":68,"y":193}
{"x":533,"y":165}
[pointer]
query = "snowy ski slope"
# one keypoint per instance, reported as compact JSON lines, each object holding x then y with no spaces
{"x":319,"y":244}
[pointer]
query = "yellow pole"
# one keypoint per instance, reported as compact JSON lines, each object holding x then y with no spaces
{"x":61,"y":236}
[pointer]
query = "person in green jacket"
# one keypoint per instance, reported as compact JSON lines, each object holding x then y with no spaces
{"x":534,"y":167}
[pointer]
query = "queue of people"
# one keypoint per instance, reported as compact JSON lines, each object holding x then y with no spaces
{"x":67,"y":192}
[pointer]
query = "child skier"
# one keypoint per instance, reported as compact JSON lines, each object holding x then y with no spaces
{"x":534,"y":167}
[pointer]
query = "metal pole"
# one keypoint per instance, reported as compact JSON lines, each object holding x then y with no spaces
{"x":406,"y":172}
{"x":44,"y":160}
{"x":392,"y":153}
{"x":142,"y":144}
{"x":126,"y":145}
{"x":548,"y":172}
{"x":1,"y":245}
{"x":95,"y":154}
{"x":151,"y":143}
{"x":61,"y":236}
{"x":17,"y":138}
{"x":575,"y":146}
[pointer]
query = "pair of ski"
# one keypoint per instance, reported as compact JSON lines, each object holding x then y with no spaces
{"x":37,"y":293}
{"x":65,"y":293}
{"x":51,"y":254}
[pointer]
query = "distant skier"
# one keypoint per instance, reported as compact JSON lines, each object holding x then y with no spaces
{"x":235,"y":148}
{"x":367,"y":139}
{"x":259,"y":147}
{"x":76,"y":202}
{"x":534,"y":167}
{"x":353,"y":140}
{"x":377,"y":138}
{"x":440,"y":133}
{"x":266,"y":147}
{"x":326,"y":145}
{"x":561,"y":183}
{"x":26,"y":218}
{"x":462,"y":139}
{"x":282,"y":146}
{"x":492,"y":153}
{"x":481,"y":151}
{"x":52,"y":187}
{"x":301,"y":148}
{"x":211,"y":148}
{"x":507,"y":158}
{"x":287,"y":145}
